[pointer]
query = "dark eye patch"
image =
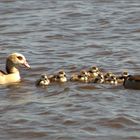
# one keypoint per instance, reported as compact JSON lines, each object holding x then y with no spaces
{"x":61,"y":72}
{"x":19,"y":57}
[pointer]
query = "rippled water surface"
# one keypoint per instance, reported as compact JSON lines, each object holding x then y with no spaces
{"x":70,"y":35}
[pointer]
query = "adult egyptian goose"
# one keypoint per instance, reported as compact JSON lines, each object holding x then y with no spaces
{"x":12,"y":62}
{"x":132,"y":82}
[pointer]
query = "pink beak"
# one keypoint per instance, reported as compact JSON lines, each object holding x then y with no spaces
{"x":26,"y":64}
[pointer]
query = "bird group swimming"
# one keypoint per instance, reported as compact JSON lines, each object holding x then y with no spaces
{"x":91,"y":75}
{"x":45,"y":80}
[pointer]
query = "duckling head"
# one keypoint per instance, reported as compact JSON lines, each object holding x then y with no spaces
{"x":44,"y":77}
{"x":94,"y":71}
{"x":94,"y":68}
{"x":108,"y":75}
{"x":61,"y":73}
{"x":61,"y":76}
{"x":84,"y":73}
{"x":125,"y":74}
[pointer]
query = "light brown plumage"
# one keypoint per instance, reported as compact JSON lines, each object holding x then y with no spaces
{"x":12,"y":62}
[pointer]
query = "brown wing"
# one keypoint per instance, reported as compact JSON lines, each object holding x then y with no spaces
{"x":135,"y":77}
{"x":2,"y":73}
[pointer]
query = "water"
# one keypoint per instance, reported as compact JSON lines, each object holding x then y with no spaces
{"x":70,"y":35}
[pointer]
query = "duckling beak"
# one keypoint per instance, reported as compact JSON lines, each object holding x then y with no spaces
{"x":26,"y":64}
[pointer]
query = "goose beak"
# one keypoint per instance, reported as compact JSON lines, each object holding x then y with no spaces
{"x":26,"y":64}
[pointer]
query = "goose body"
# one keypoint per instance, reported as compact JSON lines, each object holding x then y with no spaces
{"x":12,"y":73}
{"x":132,"y":82}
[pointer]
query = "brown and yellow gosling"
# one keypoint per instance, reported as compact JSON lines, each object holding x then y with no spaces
{"x":43,"y":81}
{"x":83,"y":76}
{"x":122,"y":77}
{"x":59,"y":77}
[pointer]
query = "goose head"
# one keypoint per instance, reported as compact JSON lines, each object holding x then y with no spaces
{"x":14,"y":60}
{"x":61,"y":77}
{"x":84,"y":73}
{"x":61,"y":73}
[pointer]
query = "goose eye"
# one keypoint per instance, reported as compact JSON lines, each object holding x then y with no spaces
{"x":19,"y":57}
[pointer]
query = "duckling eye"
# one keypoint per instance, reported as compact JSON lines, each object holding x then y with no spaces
{"x":19,"y":57}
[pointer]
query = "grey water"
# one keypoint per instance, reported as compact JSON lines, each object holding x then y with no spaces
{"x":70,"y":35}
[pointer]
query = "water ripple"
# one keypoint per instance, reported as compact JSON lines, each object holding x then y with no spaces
{"x":70,"y":35}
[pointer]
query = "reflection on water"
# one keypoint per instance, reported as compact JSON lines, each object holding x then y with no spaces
{"x":70,"y":35}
